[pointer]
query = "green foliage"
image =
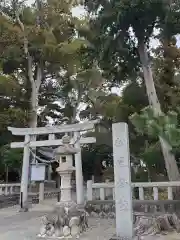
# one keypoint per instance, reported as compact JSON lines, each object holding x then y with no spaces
{"x":165,"y":125}
{"x":165,"y":66}
{"x":53,"y":40}
{"x":153,"y":158}
{"x":119,"y":26}
{"x":93,"y":156}
{"x":82,"y":60}
{"x":11,"y":158}
{"x":134,"y":95}
{"x":11,"y":107}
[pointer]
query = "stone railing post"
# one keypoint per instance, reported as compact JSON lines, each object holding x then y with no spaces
{"x":141,"y":193}
{"x":155,"y":193}
{"x":170,"y":193}
{"x":6,"y":190}
{"x":102,"y":194}
{"x":41,"y":192}
{"x":1,"y":191}
{"x":11,"y":190}
{"x":89,"y":190}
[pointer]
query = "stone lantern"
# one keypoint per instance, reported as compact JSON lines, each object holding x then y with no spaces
{"x":64,"y":155}
{"x":67,"y":219}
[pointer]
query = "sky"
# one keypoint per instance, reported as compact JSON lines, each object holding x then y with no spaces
{"x":78,"y":11}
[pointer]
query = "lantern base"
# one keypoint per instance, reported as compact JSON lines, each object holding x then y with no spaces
{"x":67,"y":220}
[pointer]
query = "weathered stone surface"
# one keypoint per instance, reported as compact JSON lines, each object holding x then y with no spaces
{"x":122,"y":180}
{"x":150,"y":225}
{"x":101,"y":210}
{"x":106,"y":208}
{"x":94,"y":214}
{"x":102,"y":215}
{"x":64,"y":219}
{"x":74,"y":221}
{"x":42,"y":230}
{"x":58,"y":232}
{"x":75,"y":230}
{"x":111,"y":215}
{"x":66,"y":231}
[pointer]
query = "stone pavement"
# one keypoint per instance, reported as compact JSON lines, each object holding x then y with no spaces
{"x":25,"y":226}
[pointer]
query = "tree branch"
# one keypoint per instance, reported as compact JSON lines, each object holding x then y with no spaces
{"x":7,"y":17}
{"x":39,"y":76}
{"x":26,"y":49}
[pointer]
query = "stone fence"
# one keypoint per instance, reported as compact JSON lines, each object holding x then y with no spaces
{"x":140,"y":190}
{"x":14,"y":188}
{"x":9,"y":189}
{"x":149,"y":197}
{"x":10,"y":193}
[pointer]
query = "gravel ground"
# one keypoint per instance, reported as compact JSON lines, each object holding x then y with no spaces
{"x":25,"y":226}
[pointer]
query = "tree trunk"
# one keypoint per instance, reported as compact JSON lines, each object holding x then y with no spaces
{"x":34,"y":106}
{"x":170,"y":161}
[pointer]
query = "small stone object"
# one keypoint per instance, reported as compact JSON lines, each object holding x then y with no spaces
{"x":75,"y":230}
{"x":94,"y":215}
{"x":51,"y":231}
{"x":66,"y":231}
{"x":74,"y":221}
{"x":60,"y":210}
{"x":102,"y":215}
{"x":48,"y":233}
{"x":111,"y":215}
{"x":106,"y":208}
{"x":66,"y":218}
{"x":42,"y":230}
{"x":44,"y":220}
{"x":52,"y":217}
{"x":58,"y":232}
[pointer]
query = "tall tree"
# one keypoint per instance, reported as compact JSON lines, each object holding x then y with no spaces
{"x":166,"y":65}
{"x":42,"y":46}
{"x":124,"y":29}
{"x":77,"y":91}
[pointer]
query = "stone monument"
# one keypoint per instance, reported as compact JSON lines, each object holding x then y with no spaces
{"x":122,"y":180}
{"x":67,"y":219}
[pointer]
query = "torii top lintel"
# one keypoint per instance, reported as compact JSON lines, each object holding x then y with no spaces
{"x":53,"y":129}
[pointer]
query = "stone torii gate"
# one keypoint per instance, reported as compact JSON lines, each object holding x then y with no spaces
{"x":29,"y":142}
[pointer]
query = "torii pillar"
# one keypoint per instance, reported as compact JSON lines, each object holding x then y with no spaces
{"x":79,"y":174}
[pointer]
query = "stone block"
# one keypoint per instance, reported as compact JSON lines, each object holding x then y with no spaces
{"x":65,"y":220}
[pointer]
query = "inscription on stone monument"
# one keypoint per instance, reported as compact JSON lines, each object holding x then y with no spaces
{"x":122,"y":182}
{"x":121,"y":162}
{"x":123,"y":204}
{"x":119,"y":142}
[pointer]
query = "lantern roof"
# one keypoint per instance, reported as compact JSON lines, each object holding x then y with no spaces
{"x":66,"y":148}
